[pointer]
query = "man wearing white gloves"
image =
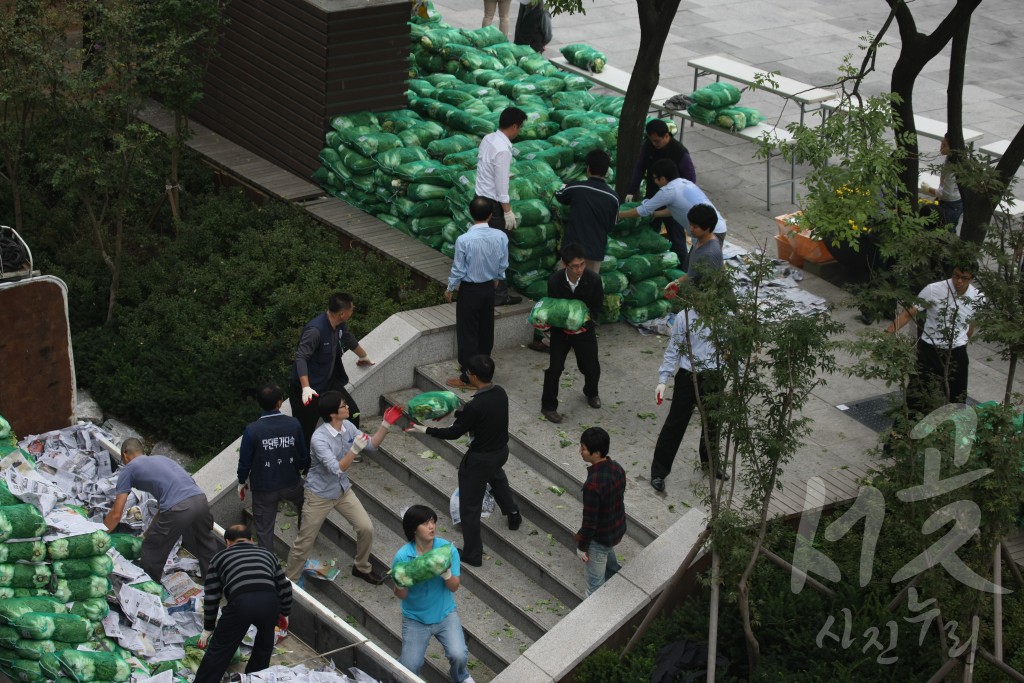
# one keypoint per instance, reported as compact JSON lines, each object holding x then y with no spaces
{"x":493,"y":167}
{"x":334,"y":446}
{"x":257,"y":594}
{"x":318,"y":367}
{"x":689,"y":351}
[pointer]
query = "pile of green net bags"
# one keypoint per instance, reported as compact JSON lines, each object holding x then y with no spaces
{"x":415,"y":168}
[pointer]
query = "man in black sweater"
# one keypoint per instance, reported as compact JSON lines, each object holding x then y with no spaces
{"x":574,"y":282}
{"x":485,"y":418}
{"x":252,"y":581}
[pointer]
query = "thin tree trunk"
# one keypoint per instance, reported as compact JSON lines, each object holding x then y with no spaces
{"x":713,"y":617}
{"x":1007,"y":394}
{"x":655,"y":21}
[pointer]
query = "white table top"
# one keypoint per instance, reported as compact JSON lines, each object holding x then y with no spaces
{"x":611,"y":78}
{"x":930,"y":128}
{"x":995,"y":149}
{"x":744,"y":73}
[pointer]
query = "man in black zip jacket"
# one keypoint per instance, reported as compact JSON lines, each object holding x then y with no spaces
{"x":574,"y":282}
{"x":485,"y":418}
{"x":593,"y":209}
{"x":272,"y":454}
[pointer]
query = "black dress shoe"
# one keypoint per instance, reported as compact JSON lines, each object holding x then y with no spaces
{"x":658,"y":484}
{"x":471,"y":563}
{"x":514,"y":520}
{"x":370,"y":577}
{"x":594,"y":401}
{"x":511,"y":300}
{"x":538,"y":345}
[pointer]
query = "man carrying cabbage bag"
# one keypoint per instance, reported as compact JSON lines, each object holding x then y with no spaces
{"x":184,"y":510}
{"x":428,"y":606}
{"x":575,"y":281}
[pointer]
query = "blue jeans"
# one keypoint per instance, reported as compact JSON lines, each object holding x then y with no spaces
{"x":602,"y":566}
{"x":416,"y":636}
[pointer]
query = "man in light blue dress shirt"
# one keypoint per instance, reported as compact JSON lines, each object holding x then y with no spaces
{"x":481,"y":257}
{"x":675,"y":198}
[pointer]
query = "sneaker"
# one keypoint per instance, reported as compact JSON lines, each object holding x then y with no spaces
{"x":514,"y":520}
{"x":594,"y":401}
{"x":658,"y":484}
{"x":358,"y":458}
{"x":552,"y":416}
{"x":538,"y":345}
{"x":370,"y":577}
{"x":463,"y":560}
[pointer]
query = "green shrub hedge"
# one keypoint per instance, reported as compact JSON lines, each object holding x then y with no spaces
{"x":207,"y":317}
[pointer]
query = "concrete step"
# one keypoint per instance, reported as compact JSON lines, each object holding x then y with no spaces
{"x":553,"y":450}
{"x":515,"y":594}
{"x":555,"y":514}
{"x":533,"y":552}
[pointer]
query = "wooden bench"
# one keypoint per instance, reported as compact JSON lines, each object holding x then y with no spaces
{"x":610,"y":78}
{"x":723,"y":67}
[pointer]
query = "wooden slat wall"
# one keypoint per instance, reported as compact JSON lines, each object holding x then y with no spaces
{"x":285,"y":67}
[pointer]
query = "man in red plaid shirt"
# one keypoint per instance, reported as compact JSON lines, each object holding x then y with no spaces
{"x":604,"y":517}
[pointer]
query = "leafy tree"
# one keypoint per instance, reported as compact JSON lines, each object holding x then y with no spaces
{"x":34,"y":49}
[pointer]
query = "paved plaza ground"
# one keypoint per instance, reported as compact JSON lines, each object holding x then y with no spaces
{"x":805,"y":40}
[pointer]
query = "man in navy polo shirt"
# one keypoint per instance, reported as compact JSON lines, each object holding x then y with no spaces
{"x":318,"y":367}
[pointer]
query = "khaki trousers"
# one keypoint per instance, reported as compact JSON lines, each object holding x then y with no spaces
{"x":314,"y":511}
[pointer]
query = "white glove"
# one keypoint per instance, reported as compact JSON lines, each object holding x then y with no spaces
{"x":659,"y":393}
{"x":308,"y":394}
{"x":360,"y":443}
{"x":510,"y":221}
{"x":419,"y":429}
{"x":241,"y":491}
{"x":584,"y":557}
{"x":628,"y":198}
{"x":447,"y":574}
{"x":204,"y":639}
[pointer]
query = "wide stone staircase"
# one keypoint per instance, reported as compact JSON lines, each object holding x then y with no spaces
{"x":530,"y":578}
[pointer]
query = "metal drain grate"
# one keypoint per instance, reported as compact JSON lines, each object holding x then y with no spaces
{"x":874,"y":412}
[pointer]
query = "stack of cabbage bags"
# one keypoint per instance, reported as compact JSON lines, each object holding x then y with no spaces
{"x":414,"y":168}
{"x":717,"y":104}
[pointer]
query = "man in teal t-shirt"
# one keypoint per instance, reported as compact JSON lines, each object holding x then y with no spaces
{"x":428,"y":608}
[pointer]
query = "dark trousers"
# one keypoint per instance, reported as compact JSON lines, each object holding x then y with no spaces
{"x":497,"y":220}
{"x":259,"y":609}
{"x":584,"y":345}
{"x":676,"y":235}
{"x":941,"y":377}
{"x":684,"y":400}
{"x":309,"y":415}
{"x":950,"y":212}
{"x":474,"y":322}
{"x":264,"y":510}
{"x":476,"y":471}
{"x":189,"y":520}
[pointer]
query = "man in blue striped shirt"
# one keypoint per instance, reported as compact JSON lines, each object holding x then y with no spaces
{"x":257,"y":592}
{"x":690,"y":351}
{"x":481,"y":257}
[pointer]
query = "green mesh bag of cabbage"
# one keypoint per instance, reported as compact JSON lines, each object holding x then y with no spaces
{"x":69,"y":628}
{"x":21,"y":521}
{"x":423,"y":568}
{"x":85,"y":666}
{"x":128,"y":545}
{"x":13,"y":608}
{"x":567,"y":314}
{"x":78,"y":547}
{"x":585,"y":57}
{"x":431,"y":405}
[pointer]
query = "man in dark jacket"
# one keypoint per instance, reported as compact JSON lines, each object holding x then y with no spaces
{"x":593,"y":210}
{"x":318,"y":367}
{"x":485,"y":418}
{"x":257,"y":593}
{"x":272,"y":454}
{"x":661,"y":145}
{"x":574,"y":282}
